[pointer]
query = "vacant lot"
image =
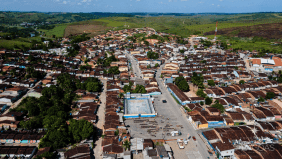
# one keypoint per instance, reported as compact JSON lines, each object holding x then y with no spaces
{"x":92,"y":27}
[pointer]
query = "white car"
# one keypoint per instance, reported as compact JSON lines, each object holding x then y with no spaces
{"x":180,"y":143}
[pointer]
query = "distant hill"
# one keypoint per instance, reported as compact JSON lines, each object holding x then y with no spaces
{"x":12,"y":18}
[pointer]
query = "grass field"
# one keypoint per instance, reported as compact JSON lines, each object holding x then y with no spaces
{"x":3,"y":34}
{"x":58,"y":31}
{"x":10,"y":44}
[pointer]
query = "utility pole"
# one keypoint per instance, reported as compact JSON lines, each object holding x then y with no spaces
{"x":215,"y":32}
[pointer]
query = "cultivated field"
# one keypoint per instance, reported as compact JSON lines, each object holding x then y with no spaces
{"x":92,"y":27}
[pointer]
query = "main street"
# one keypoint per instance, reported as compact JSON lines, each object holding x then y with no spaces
{"x":136,"y":69}
{"x":175,"y":111}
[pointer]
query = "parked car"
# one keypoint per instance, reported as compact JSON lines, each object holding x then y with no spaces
{"x":164,"y":101}
{"x":194,"y":138}
{"x":180,"y":143}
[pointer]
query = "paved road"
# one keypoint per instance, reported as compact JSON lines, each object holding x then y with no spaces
{"x":134,"y":65}
{"x":101,"y":122}
{"x":175,"y":110}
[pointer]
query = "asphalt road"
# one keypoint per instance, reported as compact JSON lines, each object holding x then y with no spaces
{"x":134,"y":65}
{"x":175,"y":110}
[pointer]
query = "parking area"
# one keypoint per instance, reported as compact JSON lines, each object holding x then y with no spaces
{"x":159,"y":127}
{"x":189,"y":152}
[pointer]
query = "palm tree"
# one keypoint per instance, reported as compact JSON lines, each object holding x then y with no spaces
{"x":126,"y":145}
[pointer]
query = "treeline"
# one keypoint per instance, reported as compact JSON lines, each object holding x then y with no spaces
{"x":46,"y":27}
{"x":12,"y":18}
{"x":51,"y":111}
{"x":15,"y":32}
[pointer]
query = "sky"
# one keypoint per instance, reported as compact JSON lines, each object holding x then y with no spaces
{"x":160,"y":6}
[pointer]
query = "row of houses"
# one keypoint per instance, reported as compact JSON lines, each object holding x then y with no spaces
{"x":244,"y":142}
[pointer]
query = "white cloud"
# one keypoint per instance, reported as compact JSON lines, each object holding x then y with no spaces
{"x":218,"y":5}
{"x":84,"y":1}
{"x":212,"y":4}
{"x":183,"y":0}
{"x":169,"y":0}
{"x":138,"y":0}
{"x":78,"y":3}
{"x":65,"y":2}
{"x":220,"y":0}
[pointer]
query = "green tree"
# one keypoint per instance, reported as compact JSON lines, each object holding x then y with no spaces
{"x":219,"y":107}
{"x":157,"y":65}
{"x":261,"y":99}
{"x":32,"y":123}
{"x":208,"y":101}
{"x":152,"y":55}
{"x":139,"y":89}
{"x":197,"y":79}
{"x":202,"y":103}
{"x":183,"y":86}
{"x":201,"y":93}
{"x":80,"y":129}
{"x":241,"y":82}
{"x":269,"y":95}
{"x":114,"y":70}
{"x":126,"y":145}
{"x":211,"y":83}
{"x":93,"y":87}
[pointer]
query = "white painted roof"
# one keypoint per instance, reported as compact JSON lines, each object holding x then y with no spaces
{"x":267,"y":61}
